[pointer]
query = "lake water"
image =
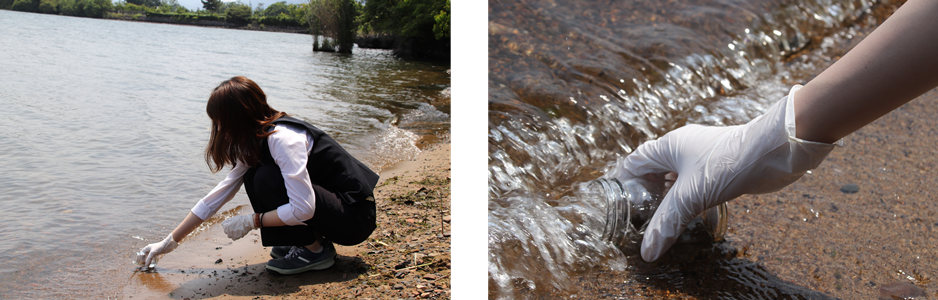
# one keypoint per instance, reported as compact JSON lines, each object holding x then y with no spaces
{"x":574,"y":86}
{"x":103,"y":128}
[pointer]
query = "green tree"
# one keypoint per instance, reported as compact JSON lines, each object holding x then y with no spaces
{"x":335,"y":20}
{"x":68,"y":8}
{"x":94,"y":8}
{"x":211,"y":5}
{"x":413,"y":18}
{"x":6,"y":4}
{"x":441,"y":22}
{"x":378,"y":15}
{"x":276,"y":9}
{"x":417,"y":17}
{"x":299,"y":13}
{"x":26,"y":5}
{"x":48,"y":6}
{"x":239,"y":13}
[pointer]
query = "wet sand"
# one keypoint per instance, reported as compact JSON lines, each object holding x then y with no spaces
{"x":407,"y":256}
{"x":813,"y":240}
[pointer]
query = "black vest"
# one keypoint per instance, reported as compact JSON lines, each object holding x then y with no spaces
{"x":330,"y":166}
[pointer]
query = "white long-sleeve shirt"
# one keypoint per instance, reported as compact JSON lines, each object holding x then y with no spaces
{"x":290,"y":146}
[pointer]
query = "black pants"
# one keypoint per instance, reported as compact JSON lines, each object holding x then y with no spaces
{"x":334,"y":219}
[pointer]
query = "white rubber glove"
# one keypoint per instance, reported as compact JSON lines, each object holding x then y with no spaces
{"x":238,"y":226}
{"x":718,"y":164}
{"x":163,"y":247}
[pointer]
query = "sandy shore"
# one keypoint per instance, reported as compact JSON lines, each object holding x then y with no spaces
{"x":407,"y":256}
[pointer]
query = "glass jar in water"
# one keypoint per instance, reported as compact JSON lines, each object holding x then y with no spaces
{"x":140,"y":259}
{"x":631,"y":204}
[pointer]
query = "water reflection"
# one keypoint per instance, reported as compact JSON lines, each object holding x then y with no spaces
{"x":153,"y":281}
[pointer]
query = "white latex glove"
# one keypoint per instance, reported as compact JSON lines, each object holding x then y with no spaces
{"x":718,"y":164}
{"x":238,"y":226}
{"x":163,"y":247}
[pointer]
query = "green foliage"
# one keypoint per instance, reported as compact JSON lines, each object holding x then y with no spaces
{"x":148,"y":3}
{"x":187,"y":17}
{"x":93,"y":8}
{"x":336,"y":20}
{"x":288,"y":15}
{"x":276,"y":9}
{"x":417,"y":17}
{"x":121,"y":7}
{"x":378,"y":15}
{"x":211,"y":5}
{"x":413,"y":18}
{"x":282,"y":20}
{"x":239,"y":14}
{"x":26,"y":5}
{"x":441,"y":22}
{"x":48,"y":6}
{"x":68,"y":8}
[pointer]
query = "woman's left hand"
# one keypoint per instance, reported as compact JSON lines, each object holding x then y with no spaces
{"x":238,"y":226}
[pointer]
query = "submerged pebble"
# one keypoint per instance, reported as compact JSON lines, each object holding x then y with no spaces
{"x":900,"y":290}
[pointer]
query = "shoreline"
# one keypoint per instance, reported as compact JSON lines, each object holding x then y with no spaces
{"x":408,"y":255}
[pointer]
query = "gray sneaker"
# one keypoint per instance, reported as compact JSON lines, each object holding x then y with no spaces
{"x":279,"y":251}
{"x":300,"y":260}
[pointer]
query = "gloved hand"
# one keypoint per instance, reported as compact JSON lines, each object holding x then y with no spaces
{"x":718,"y":164}
{"x":238,"y":226}
{"x":163,"y":247}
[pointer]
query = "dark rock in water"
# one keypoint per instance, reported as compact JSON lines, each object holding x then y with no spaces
{"x":900,"y":290}
{"x":850,"y":188}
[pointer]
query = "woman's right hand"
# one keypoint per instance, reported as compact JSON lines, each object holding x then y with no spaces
{"x":163,"y":247}
{"x":718,"y":164}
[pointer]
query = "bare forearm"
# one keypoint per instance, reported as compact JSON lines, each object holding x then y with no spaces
{"x":186,"y":226}
{"x":892,"y":66}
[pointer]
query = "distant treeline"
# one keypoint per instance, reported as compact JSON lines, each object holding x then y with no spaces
{"x":277,"y":14}
{"x":413,"y":28}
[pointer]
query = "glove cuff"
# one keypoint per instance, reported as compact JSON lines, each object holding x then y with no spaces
{"x":770,"y":156}
{"x":790,"y":121}
{"x":170,"y":242}
{"x":809,"y":154}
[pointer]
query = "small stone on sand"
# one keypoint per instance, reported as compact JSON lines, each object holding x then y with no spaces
{"x":850,"y":188}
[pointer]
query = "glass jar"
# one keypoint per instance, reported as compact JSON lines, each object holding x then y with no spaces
{"x":631,"y":204}
{"x":140,"y":258}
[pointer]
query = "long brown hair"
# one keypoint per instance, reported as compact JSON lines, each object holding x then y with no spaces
{"x":240,"y":120}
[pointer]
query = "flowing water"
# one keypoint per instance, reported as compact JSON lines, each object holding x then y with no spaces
{"x":103,"y":127}
{"x":574,"y":86}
